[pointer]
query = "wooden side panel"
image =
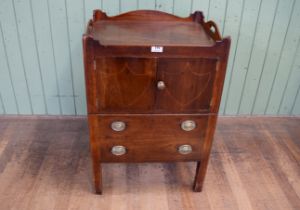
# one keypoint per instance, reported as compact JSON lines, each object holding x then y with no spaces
{"x":89,"y":73}
{"x":220,"y":76}
{"x":95,"y":153}
{"x":206,"y":150}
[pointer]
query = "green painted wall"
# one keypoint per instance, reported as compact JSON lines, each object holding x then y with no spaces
{"x":41,"y":69}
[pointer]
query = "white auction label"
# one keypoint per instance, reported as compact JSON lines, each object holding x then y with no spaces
{"x":157,"y":49}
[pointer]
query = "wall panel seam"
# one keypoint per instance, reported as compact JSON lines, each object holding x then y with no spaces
{"x":2,"y":104}
{"x":70,"y":57}
{"x":54,"y":59}
{"x":280,"y":56}
{"x":249,"y":60}
{"x":294,"y":103}
{"x":224,"y":18}
{"x":289,"y":76}
{"x":22,"y":57}
{"x":9,"y":69}
{"x":84,"y":14}
{"x":38,"y":56}
{"x":265,"y":56}
{"x":173,"y":6}
{"x":234,"y":56}
{"x":207,"y":12}
{"x":191,"y":6}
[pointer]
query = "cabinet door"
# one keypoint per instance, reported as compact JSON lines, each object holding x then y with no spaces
{"x":188,"y":84}
{"x":125,"y":84}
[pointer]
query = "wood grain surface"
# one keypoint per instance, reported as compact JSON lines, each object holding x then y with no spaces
{"x":44,"y":164}
{"x":129,"y":33}
{"x":133,"y":79}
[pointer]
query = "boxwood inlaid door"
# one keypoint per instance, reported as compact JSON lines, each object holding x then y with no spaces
{"x":125,"y":84}
{"x":188,"y":84}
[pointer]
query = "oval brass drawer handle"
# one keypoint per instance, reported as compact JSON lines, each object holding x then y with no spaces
{"x":118,"y":126}
{"x":161,"y":85}
{"x":118,"y":150}
{"x":188,"y":125}
{"x":185,"y":149}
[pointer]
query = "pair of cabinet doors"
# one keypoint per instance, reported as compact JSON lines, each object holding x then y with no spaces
{"x":154,"y":85}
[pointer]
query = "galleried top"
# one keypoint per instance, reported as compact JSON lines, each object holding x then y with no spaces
{"x":152,"y":28}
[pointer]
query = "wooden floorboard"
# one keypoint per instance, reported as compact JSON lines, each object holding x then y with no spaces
{"x":45,"y":164}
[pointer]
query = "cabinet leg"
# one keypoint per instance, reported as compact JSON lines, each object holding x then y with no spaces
{"x":200,"y":174}
{"x":97,"y":171}
{"x":202,"y":164}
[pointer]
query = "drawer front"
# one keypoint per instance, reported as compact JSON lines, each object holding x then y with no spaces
{"x":150,"y":151}
{"x":188,"y":84}
{"x":150,"y":137}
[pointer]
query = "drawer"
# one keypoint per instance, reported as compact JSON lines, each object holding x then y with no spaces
{"x":151,"y":151}
{"x":149,"y":137}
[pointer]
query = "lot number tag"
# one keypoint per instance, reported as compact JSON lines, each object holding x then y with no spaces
{"x":157,"y":49}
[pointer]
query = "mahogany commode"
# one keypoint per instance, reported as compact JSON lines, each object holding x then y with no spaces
{"x":154,"y":83}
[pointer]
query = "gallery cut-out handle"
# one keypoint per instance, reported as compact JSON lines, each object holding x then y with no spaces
{"x":212,"y":29}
